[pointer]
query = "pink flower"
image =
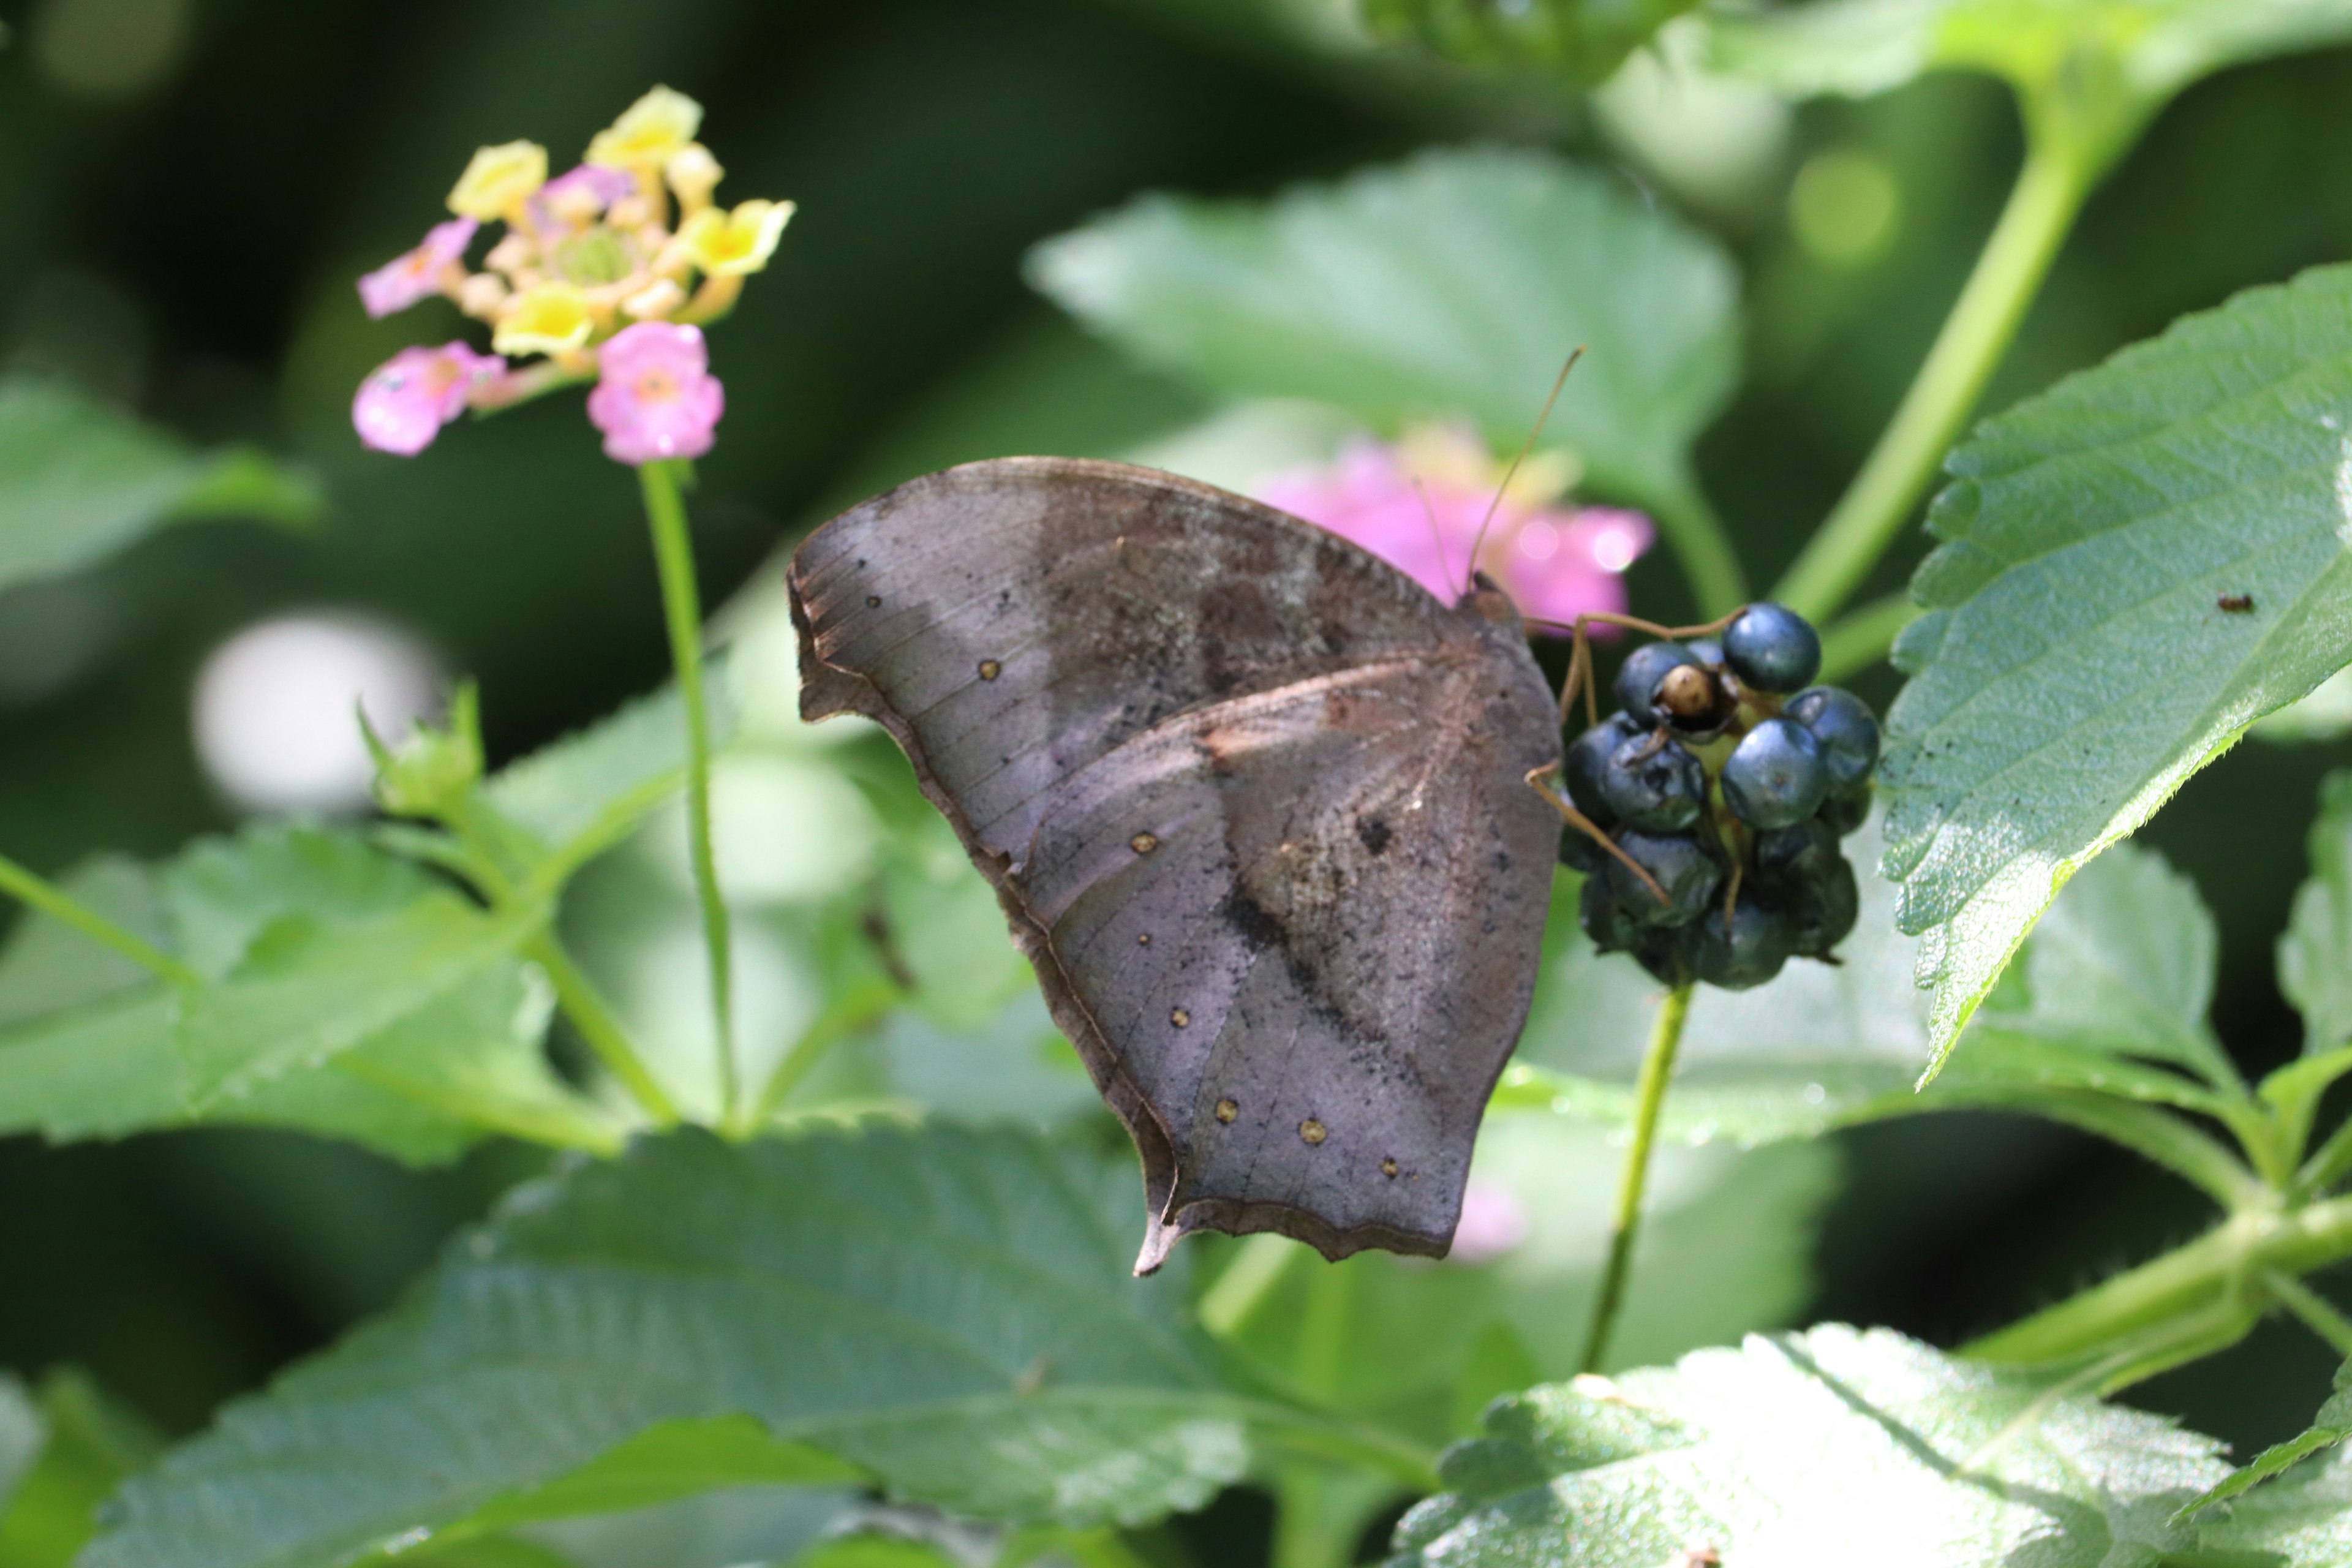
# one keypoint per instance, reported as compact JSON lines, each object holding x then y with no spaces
{"x":404,"y":403}
{"x":656,"y":397}
{"x":1492,"y":1223}
{"x":405,"y":280}
{"x":1417,"y":505}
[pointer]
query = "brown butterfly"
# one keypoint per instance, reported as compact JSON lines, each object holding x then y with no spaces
{"x":1255,"y":803}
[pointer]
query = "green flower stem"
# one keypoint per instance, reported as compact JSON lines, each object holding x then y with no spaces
{"x":2317,"y":1312}
{"x":1856,"y":641}
{"x":578,"y":997}
{"x":2057,"y":176}
{"x":1649,"y":1099}
{"x":51,"y":900}
{"x":681,"y":606}
{"x":1695,"y":535}
{"x":2328,"y":1165}
{"x":2208,"y":1274}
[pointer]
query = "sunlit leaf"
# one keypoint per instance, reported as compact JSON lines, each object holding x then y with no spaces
{"x":2073,"y":665}
{"x":1452,"y":285}
{"x":948,"y":1311}
{"x":1833,"y":1445}
{"x":78,"y":481}
{"x":2301,"y":1519}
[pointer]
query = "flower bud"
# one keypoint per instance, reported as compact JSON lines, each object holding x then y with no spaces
{"x":693,"y":174}
{"x":431,"y":772}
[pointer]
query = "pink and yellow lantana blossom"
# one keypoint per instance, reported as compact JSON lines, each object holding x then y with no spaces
{"x":632,"y":238}
{"x":1418,"y":503}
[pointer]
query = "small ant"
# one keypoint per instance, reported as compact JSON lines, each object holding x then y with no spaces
{"x":2235,"y":604}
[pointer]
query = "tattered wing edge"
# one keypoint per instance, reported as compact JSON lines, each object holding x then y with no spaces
{"x":828,"y":689}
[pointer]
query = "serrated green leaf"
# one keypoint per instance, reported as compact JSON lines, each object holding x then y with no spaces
{"x":949,"y":1310}
{"x":2325,"y":715}
{"x":1835,"y":1446}
{"x":1454,"y":284}
{"x":1586,"y":39}
{"x":88,"y":1445}
{"x":2302,"y":1520}
{"x":2315,"y":952}
{"x":2072,"y":666}
{"x":79,"y":481}
{"x":2329,"y":1427}
{"x":2146,"y":50}
{"x":444,"y":1042}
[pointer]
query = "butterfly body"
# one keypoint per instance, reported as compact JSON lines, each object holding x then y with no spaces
{"x":1253,"y":804}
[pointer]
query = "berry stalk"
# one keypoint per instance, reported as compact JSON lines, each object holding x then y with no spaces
{"x":1650,"y":1099}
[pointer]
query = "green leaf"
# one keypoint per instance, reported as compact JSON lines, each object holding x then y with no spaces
{"x":1587,"y":40}
{"x":2072,"y":666}
{"x":2325,"y":715}
{"x":949,"y":1310}
{"x":1454,"y":284}
{"x":22,"y":1433}
{"x":2329,"y":1427}
{"x":349,"y":994}
{"x":87,"y":1446}
{"x":583,"y":792}
{"x":2117,"y":59}
{"x":2301,"y":1519}
{"x":1833,"y":1445}
{"x":79,"y":481}
{"x":2314,"y":953}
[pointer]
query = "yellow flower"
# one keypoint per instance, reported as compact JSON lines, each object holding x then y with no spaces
{"x":729,"y":243}
{"x":649,"y":132}
{"x":693,"y":173}
{"x":546,"y":319}
{"x":499,"y":179}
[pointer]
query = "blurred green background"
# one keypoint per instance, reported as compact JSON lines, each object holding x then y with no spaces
{"x":187,"y":188}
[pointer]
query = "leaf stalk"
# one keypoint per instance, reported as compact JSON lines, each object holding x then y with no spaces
{"x":1650,"y":1099}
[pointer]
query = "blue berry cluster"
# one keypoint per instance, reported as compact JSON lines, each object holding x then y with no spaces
{"x":1729,"y":779}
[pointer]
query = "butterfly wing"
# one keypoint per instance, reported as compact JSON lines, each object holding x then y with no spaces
{"x":1253,"y":801}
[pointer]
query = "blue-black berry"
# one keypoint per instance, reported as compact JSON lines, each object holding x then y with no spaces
{"x":1644,"y":668}
{"x":1651,"y":782}
{"x":1683,"y":867}
{"x":1708,"y":651}
{"x":1772,"y":649}
{"x":1799,"y":850}
{"x":1774,"y":776}
{"x":1605,"y":920}
{"x":1587,"y":761}
{"x":1846,"y":728}
{"x":1845,"y":810}
{"x":1823,"y":909}
{"x":1749,"y":952}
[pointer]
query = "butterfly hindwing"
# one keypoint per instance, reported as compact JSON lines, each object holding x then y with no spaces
{"x":1253,"y":801}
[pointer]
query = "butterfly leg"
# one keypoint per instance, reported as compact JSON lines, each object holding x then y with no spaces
{"x":1539,"y":781}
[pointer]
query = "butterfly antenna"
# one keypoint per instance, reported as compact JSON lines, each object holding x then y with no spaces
{"x":1436,"y":535}
{"x":1513,"y":471}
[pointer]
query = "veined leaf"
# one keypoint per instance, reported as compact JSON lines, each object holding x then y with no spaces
{"x":950,"y":1312}
{"x":349,"y":995}
{"x":1831,"y":1446}
{"x":2329,"y":1427}
{"x":1453,"y":285}
{"x":2074,"y":666}
{"x":2301,"y":1519}
{"x":78,"y":481}
{"x":2314,"y":954}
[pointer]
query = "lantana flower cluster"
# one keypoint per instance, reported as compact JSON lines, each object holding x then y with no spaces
{"x":607,"y":272}
{"x":1419,"y":502}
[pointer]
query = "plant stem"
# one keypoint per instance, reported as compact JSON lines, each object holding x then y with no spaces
{"x":45,"y":896}
{"x":1860,"y":639}
{"x":589,"y":1014}
{"x":1649,"y":1099}
{"x":2048,"y":193}
{"x":681,"y":606}
{"x":1695,"y":535}
{"x":2316,"y":1313}
{"x":2190,"y":1279}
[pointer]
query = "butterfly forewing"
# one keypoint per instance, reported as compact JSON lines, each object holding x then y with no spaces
{"x":1253,"y":801}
